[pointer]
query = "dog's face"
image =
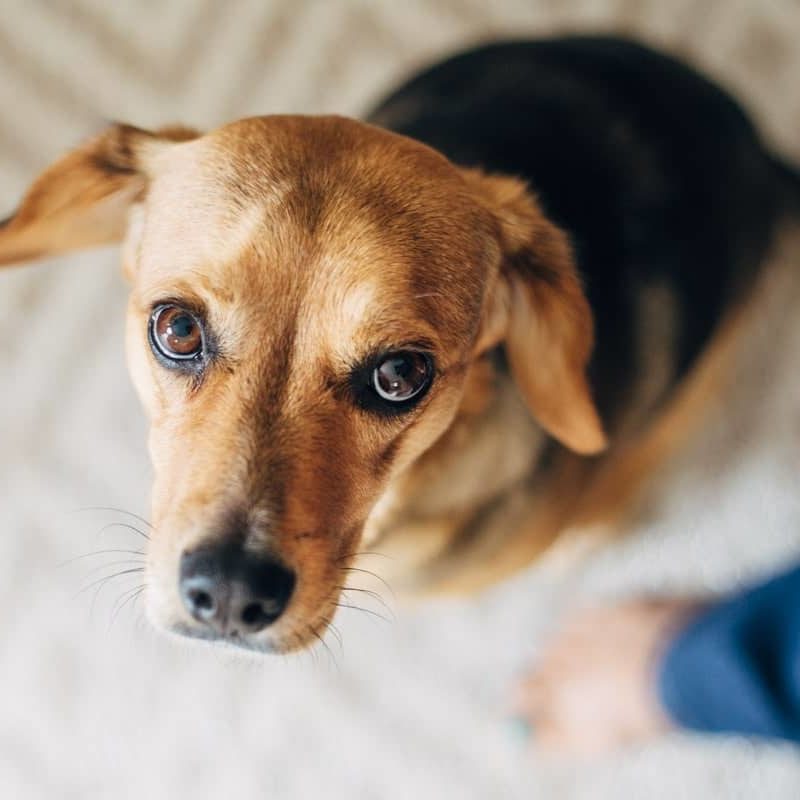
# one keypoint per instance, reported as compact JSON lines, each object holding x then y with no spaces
{"x":309,"y":296}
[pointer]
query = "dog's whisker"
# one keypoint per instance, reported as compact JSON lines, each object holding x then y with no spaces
{"x":366,"y":611}
{"x":310,"y":652}
{"x":98,"y":553}
{"x":123,"y":600}
{"x":313,"y":653}
{"x":117,"y":511}
{"x":122,"y":525}
{"x":374,"y":575}
{"x":100,"y":584}
{"x":335,"y":632}
{"x":139,"y":612}
{"x":375,"y":595}
{"x":325,"y":645}
{"x":360,"y":553}
{"x":120,"y":563}
{"x":106,"y":578}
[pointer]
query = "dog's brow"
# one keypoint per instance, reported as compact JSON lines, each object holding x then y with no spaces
{"x":193,"y":244}
{"x":183,"y":291}
{"x":389,"y":345}
{"x":197,"y":289}
{"x":386,"y":329}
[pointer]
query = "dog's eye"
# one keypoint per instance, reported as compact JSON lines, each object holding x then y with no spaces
{"x":176,"y":332}
{"x":401,"y":376}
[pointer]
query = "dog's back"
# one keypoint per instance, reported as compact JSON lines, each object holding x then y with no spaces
{"x":659,"y":178}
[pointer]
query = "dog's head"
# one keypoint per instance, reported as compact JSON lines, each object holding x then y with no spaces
{"x":308,"y":297}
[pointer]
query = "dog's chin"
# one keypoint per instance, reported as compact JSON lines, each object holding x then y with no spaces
{"x":262,"y":644}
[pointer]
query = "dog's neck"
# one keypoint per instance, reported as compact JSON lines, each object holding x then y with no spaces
{"x":493,"y":452}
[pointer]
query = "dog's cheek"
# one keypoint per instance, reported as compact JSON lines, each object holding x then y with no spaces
{"x":432,"y":424}
{"x":161,"y":612}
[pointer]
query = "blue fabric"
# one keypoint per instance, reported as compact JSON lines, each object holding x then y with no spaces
{"x":736,"y":667}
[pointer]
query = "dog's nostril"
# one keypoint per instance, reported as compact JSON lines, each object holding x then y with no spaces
{"x":203,"y":597}
{"x":253,"y":613}
{"x":201,"y":600}
{"x":262,"y":595}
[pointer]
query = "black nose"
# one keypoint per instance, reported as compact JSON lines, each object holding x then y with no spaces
{"x":232,"y":591}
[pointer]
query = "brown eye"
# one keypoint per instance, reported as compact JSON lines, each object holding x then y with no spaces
{"x":176,"y":332}
{"x":401,"y":376}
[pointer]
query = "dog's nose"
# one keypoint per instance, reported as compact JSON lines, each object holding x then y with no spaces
{"x":234,"y":592}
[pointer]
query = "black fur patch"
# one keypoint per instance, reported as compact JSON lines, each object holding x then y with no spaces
{"x":657,"y":175}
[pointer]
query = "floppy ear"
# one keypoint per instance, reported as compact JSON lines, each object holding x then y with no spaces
{"x":83,"y":199}
{"x":538,"y":306}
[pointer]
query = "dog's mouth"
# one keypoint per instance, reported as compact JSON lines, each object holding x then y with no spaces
{"x":269,"y":644}
{"x":266,"y":646}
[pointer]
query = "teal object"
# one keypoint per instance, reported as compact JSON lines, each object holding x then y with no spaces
{"x":520,"y":728}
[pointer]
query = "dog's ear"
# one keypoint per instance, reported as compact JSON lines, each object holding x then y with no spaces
{"x":82,"y":200}
{"x":537,"y":306}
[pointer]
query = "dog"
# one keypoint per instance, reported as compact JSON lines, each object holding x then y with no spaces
{"x":454,"y":333}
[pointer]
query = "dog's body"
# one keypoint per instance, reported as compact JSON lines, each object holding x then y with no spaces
{"x":670,"y":203}
{"x":356,"y":340}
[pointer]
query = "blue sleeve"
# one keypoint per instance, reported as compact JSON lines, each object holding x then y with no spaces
{"x":736,"y":667}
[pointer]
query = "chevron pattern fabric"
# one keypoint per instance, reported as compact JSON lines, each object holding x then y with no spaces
{"x":95,"y":705}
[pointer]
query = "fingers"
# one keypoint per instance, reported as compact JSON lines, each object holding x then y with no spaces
{"x":592,"y":689}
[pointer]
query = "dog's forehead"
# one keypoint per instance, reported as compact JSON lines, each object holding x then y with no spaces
{"x":324,"y":208}
{"x":193,"y":219}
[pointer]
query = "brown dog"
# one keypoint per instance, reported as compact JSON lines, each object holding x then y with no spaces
{"x":343,"y":339}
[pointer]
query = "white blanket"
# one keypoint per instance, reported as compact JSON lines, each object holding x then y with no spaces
{"x":411,"y":709}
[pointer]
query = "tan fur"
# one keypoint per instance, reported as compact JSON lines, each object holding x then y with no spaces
{"x":609,"y":496}
{"x":549,"y":334}
{"x":309,"y":244}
